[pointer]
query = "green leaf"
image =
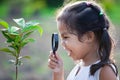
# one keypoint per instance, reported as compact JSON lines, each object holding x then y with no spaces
{"x":20,"y":22}
{"x":25,"y":57}
{"x":12,"y":61}
{"x":7,"y":50}
{"x":40,"y":30}
{"x":26,"y":41}
{"x":4,"y":32}
{"x":8,"y":36}
{"x":29,"y":40}
{"x":23,"y":44}
{"x":19,"y":63}
{"x":14,"y":34}
{"x":33,"y":28}
{"x":30,"y":28}
{"x":12,"y":46}
{"x":4,"y":24}
{"x":26,"y":35}
{"x":17,"y":39}
{"x":31,"y":23}
{"x":13,"y":29}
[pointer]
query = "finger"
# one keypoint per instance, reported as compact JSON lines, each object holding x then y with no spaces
{"x":54,"y":59}
{"x":51,"y":62}
{"x":52,"y":65}
{"x":52,"y":54}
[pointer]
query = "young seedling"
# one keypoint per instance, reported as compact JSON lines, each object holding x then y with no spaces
{"x":17,"y":37}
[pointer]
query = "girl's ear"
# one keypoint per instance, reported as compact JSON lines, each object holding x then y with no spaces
{"x":88,"y":37}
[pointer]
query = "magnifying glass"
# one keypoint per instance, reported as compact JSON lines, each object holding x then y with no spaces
{"x":55,"y":41}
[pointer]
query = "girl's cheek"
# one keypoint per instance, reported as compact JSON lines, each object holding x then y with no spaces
{"x":64,"y":42}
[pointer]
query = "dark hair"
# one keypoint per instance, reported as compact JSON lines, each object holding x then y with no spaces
{"x":88,"y":16}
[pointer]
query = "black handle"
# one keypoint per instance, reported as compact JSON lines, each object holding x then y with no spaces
{"x":55,"y":41}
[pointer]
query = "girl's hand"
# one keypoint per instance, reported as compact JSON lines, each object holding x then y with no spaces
{"x":55,"y":62}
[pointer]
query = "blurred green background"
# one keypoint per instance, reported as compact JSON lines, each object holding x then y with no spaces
{"x":45,"y":11}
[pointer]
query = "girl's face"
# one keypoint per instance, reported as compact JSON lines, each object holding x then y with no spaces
{"x":75,"y":48}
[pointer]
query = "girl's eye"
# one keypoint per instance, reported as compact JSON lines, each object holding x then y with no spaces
{"x":65,"y":37}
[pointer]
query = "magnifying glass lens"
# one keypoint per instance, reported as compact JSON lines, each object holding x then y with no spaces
{"x":54,"y":42}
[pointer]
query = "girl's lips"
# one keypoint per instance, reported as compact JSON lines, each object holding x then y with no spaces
{"x":68,"y":51}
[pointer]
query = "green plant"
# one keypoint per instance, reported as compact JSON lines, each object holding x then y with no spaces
{"x":17,"y":38}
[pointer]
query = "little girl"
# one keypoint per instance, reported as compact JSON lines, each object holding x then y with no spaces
{"x":83,"y":28}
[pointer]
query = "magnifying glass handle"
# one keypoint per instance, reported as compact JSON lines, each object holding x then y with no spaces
{"x":54,"y":52}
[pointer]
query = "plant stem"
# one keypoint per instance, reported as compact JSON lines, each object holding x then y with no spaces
{"x":16,"y":68}
{"x":17,"y":62}
{"x":16,"y":72}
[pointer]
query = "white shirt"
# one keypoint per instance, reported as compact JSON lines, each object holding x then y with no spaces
{"x":83,"y":73}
